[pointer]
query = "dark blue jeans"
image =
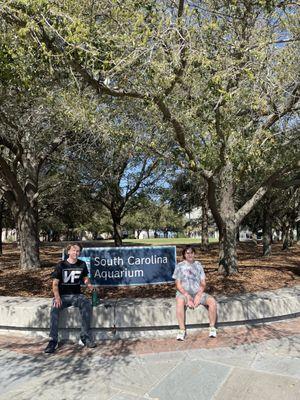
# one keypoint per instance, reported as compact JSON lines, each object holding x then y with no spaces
{"x":85,"y":308}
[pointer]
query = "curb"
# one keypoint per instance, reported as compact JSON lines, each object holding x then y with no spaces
{"x":132,"y":318}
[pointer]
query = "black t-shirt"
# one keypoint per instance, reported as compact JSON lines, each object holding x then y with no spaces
{"x":70,"y":276}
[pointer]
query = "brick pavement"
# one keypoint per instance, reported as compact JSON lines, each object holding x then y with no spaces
{"x":227,"y":337}
{"x":244,"y":362}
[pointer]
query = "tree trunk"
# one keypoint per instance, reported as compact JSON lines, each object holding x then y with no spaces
{"x":228,"y":264}
{"x":226,"y":216}
{"x":267,"y":240}
{"x":298,"y":231}
{"x":29,"y":241}
{"x":204,"y":225}
{"x":1,"y":223}
{"x":291,"y":236}
{"x":267,"y":232}
{"x":285,"y":236}
{"x":238,"y":234}
{"x":117,"y":229}
{"x":278,"y":234}
{"x":221,"y":250}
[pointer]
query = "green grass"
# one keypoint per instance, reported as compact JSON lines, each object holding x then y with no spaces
{"x":135,"y":242}
{"x":163,"y":241}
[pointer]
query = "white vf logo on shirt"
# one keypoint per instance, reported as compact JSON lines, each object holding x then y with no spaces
{"x":71,"y":276}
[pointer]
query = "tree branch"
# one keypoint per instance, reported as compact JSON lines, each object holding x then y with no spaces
{"x":144,"y":174}
{"x":262,"y":190}
{"x":11,"y":181}
{"x":8,"y":144}
{"x":100,"y":87}
{"x":51,"y":148}
{"x":212,"y":201}
{"x":293,"y":100}
{"x":182,"y":59}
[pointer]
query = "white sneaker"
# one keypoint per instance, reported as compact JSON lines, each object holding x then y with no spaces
{"x":181,"y":334}
{"x":212,"y":332}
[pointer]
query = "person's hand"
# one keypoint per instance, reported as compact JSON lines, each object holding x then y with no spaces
{"x":90,"y":286}
{"x":57,"y":302}
{"x":190,"y":302}
{"x":197,"y":299}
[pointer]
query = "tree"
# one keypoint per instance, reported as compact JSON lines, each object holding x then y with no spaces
{"x":30,"y":131}
{"x":107,"y":156}
{"x":98,"y":223}
{"x":220,"y":77}
{"x":187,"y":192}
{"x":277,"y":211}
{"x":169,"y":220}
{"x":154,"y":213}
{"x":2,"y":205}
{"x":287,"y":215}
{"x":143,"y":216}
{"x":115,"y":171}
{"x":65,"y":206}
{"x":21,"y":158}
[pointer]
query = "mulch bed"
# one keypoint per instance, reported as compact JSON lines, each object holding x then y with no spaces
{"x":256,"y":273}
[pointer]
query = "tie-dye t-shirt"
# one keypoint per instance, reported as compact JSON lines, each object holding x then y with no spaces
{"x":189,"y":275}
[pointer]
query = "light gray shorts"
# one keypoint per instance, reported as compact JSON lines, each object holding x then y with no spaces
{"x":203,"y":300}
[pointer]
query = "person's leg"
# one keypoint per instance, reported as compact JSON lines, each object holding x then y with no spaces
{"x":54,"y":317}
{"x":210,"y":303}
{"x":180,"y":311}
{"x":212,"y":310}
{"x":85,"y":309}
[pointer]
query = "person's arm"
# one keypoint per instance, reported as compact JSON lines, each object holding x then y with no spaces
{"x":85,"y":277}
{"x":87,"y":282}
{"x":180,"y":288}
{"x":200,"y":292}
{"x":57,"y":299}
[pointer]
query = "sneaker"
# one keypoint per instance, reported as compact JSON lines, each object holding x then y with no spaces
{"x":181,"y":334}
{"x":87,"y":342}
{"x":212,"y":332}
{"x":51,"y":346}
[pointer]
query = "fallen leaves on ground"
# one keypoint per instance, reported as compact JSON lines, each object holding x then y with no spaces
{"x":256,"y":273}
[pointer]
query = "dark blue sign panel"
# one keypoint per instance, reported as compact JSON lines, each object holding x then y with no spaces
{"x":123,"y":266}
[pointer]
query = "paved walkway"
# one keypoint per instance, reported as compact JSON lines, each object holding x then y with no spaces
{"x":246,"y":363}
